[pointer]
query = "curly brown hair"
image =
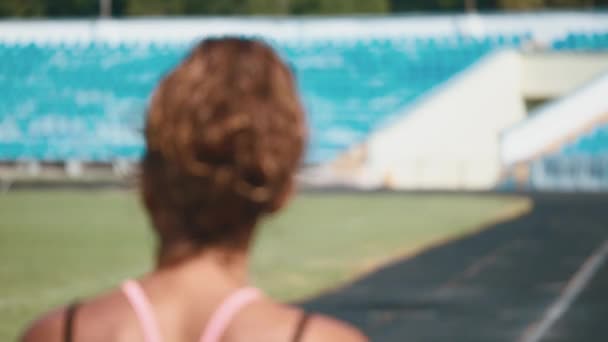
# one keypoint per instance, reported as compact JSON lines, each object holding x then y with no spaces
{"x":224,"y":134}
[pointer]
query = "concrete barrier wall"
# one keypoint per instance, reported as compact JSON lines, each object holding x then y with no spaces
{"x":450,"y":140}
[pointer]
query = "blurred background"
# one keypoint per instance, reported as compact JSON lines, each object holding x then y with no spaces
{"x":453,"y":188}
{"x":89,"y":8}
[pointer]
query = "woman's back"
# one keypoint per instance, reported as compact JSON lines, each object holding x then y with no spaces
{"x":182,"y":309}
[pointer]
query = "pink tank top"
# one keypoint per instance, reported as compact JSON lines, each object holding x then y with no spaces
{"x":216,"y":326}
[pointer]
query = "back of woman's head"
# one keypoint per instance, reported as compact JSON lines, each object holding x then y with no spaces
{"x":225,"y":133}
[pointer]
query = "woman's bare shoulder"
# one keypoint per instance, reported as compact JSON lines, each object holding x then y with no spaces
{"x":319,"y":328}
{"x":50,"y":327}
{"x":46,"y":328}
{"x":322,"y":328}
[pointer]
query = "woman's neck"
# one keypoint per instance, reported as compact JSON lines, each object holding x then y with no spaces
{"x":230,"y":265}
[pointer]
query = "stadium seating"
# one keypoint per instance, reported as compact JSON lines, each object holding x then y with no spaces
{"x":579,"y":165}
{"x":87,"y":102}
{"x":592,"y":143}
{"x":77,"y":102}
{"x":581,"y":41}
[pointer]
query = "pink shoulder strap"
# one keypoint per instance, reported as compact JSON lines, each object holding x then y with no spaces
{"x":143,"y":310}
{"x":222,"y":317}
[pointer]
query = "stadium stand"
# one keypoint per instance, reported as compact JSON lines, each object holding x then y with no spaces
{"x":84,"y":98}
{"x":86,"y":102}
{"x":357,"y":86}
{"x":581,"y":165}
{"x":77,"y":102}
{"x":582,"y":41}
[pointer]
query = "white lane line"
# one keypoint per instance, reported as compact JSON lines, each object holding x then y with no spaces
{"x":575,"y":286}
{"x":479,"y":265}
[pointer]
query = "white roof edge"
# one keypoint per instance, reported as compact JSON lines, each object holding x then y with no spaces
{"x":542,"y":25}
{"x":555,"y":120}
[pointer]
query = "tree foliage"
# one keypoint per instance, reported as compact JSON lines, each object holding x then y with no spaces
{"x":304,"y":7}
{"x":536,"y":4}
{"x":460,"y":5}
{"x":26,"y":8}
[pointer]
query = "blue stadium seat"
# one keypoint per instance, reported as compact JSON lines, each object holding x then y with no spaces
{"x":592,"y":143}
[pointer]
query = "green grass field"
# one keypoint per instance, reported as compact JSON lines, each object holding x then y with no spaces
{"x":59,"y":245}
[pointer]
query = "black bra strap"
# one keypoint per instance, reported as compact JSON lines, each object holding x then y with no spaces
{"x":302,"y":323}
{"x":70,"y":314}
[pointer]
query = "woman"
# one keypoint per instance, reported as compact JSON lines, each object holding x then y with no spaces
{"x":224,"y":136}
